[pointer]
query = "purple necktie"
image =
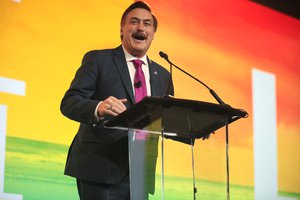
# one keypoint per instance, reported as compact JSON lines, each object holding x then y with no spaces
{"x":140,"y":89}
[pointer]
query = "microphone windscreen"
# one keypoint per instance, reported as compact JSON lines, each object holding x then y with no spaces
{"x":163,"y":55}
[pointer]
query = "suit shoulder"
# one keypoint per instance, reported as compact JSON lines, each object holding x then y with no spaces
{"x":104,"y":53}
{"x":100,"y":56}
{"x":98,"y":52}
{"x":158,"y":67}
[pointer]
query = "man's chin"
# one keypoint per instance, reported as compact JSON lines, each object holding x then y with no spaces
{"x":139,"y":52}
{"x":140,"y":47}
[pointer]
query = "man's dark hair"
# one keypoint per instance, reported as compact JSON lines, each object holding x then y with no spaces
{"x":139,"y":4}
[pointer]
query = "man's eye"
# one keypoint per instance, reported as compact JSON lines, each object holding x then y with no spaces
{"x":134,"y":21}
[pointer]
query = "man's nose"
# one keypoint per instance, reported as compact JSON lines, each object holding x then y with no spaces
{"x":141,"y":26}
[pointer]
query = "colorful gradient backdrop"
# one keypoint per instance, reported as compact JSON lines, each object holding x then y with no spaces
{"x":219,"y":42}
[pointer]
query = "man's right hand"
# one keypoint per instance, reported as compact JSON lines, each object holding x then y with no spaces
{"x":111,"y":106}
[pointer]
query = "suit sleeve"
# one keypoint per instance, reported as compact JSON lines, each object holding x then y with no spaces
{"x":78,"y":103}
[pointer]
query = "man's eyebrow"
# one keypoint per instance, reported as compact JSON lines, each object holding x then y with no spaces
{"x":136,"y":18}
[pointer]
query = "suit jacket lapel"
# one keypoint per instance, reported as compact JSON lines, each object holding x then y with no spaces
{"x":153,"y":78}
{"x":121,"y":64}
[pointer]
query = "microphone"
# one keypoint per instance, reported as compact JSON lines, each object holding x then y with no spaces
{"x":212,"y":92}
{"x":138,"y":84}
{"x":165,"y":56}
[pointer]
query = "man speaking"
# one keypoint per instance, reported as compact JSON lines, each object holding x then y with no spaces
{"x":106,"y":84}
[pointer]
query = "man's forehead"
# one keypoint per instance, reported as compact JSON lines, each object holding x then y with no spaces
{"x":140,"y":13}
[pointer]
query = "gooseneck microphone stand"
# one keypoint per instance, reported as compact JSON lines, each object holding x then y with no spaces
{"x":213,"y":93}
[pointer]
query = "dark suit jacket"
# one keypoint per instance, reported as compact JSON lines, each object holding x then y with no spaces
{"x":98,"y":154}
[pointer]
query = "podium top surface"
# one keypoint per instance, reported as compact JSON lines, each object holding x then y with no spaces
{"x":181,"y":117}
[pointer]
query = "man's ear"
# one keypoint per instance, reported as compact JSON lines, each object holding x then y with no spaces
{"x":121,"y":34}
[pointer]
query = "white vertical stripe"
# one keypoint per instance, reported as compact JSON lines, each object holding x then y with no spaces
{"x":265,"y":143}
{"x":3,"y":111}
{"x":265,"y":136}
{"x":3,"y":120}
{"x":16,"y":87}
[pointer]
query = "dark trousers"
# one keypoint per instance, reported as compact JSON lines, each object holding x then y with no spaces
{"x":98,"y":191}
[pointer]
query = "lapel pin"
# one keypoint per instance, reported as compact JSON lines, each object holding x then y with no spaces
{"x":155,"y":72}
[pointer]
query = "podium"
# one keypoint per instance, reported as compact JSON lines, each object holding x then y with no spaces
{"x":157,"y":118}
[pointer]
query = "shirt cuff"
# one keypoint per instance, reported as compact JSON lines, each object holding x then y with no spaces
{"x":96,"y":113}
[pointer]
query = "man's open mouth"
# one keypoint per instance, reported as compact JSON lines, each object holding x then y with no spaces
{"x":139,"y":36}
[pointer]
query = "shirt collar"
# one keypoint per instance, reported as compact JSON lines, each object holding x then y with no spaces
{"x":129,"y":57}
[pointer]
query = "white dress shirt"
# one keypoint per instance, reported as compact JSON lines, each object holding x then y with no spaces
{"x":131,"y":69}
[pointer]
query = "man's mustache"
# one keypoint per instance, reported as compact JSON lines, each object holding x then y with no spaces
{"x":139,"y":36}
